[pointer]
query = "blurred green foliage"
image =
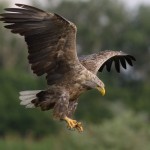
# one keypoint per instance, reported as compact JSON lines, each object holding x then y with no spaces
{"x":104,"y":24}
{"x":125,"y":131}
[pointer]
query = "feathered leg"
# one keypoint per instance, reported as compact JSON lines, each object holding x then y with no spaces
{"x":72,"y":107}
{"x":61,"y":111}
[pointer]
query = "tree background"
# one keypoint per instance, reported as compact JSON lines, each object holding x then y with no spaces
{"x":118,"y":121}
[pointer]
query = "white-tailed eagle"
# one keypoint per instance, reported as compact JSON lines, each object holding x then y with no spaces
{"x":51,"y":41}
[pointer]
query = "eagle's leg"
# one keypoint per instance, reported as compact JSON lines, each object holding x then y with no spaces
{"x":72,"y":107}
{"x":61,"y":111}
{"x":70,"y":111}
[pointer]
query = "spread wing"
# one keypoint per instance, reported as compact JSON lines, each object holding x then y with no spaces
{"x":51,"y":39}
{"x":97,"y":62}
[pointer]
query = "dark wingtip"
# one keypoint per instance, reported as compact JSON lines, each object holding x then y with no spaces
{"x":20,"y":5}
{"x":132,"y":57}
{"x":6,"y":9}
{"x":29,"y":7}
{"x":1,"y":14}
{"x":17,"y":4}
{"x":101,"y":68}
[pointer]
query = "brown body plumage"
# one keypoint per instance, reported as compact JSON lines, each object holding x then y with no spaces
{"x":51,"y":41}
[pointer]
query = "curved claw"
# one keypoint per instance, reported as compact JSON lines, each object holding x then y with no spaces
{"x":73,"y":124}
{"x":79,"y":127}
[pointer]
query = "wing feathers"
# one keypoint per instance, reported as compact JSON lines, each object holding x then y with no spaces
{"x":24,"y":17}
{"x":108,"y":66}
{"x":36,"y":10}
{"x":18,"y":10}
{"x":50,"y":37}
{"x":117,"y":65}
{"x":106,"y":58}
{"x":129,"y":60}
{"x":119,"y":60}
{"x":123,"y":63}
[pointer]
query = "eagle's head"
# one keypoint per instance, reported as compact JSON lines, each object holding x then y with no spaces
{"x":95,"y":83}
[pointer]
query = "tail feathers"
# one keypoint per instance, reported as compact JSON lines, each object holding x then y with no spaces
{"x":34,"y":92}
{"x":26,"y":98}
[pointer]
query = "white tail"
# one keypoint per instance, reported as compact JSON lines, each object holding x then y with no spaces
{"x":27,"y":96}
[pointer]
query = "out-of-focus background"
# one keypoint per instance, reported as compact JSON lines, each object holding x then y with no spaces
{"x":118,"y":121}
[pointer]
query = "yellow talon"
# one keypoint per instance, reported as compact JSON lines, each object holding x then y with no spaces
{"x":73,"y":124}
{"x":79,"y":127}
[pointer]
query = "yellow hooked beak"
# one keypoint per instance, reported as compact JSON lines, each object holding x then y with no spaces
{"x":102,"y":90}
